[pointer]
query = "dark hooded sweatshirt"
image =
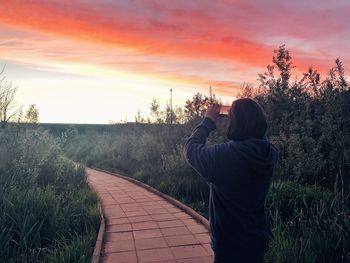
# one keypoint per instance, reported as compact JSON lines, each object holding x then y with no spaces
{"x":239,"y":175}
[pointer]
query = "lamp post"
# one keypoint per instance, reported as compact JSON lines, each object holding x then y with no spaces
{"x":171,"y":106}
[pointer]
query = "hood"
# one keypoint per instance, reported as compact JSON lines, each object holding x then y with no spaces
{"x":259,"y":153}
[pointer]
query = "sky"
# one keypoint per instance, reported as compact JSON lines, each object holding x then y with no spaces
{"x":87,"y":61}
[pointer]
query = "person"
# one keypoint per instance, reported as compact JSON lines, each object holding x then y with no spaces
{"x":239,"y":174}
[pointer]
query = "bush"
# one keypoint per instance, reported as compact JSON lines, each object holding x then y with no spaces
{"x":29,"y":216}
{"x":309,"y":224}
{"x":44,"y":201}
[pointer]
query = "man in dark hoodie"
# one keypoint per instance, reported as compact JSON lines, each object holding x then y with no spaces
{"x":239,"y":174}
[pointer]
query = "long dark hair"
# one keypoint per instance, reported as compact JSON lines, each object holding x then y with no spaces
{"x":246,"y":120}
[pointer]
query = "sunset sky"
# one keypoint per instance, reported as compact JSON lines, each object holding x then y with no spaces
{"x":93,"y":61}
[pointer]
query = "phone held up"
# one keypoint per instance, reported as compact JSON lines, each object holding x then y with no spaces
{"x":224,"y":110}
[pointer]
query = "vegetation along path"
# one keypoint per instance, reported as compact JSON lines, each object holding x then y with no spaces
{"x":141,"y":226}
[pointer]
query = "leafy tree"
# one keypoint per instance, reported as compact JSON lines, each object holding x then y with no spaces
{"x":175,"y":115}
{"x":196,"y":107}
{"x":247,"y":91}
{"x":32,"y":114}
{"x":139,"y":118}
{"x":156,"y":112}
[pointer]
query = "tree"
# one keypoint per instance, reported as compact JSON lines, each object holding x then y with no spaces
{"x":32,"y":114}
{"x":156,"y":113}
{"x":7,"y":97}
{"x":179,"y":115}
{"x":139,"y":118}
{"x":247,"y":91}
{"x":277,"y":95}
{"x":284,"y":64}
{"x":197,"y":106}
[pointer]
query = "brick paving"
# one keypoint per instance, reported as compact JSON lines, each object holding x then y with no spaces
{"x":144,"y":227}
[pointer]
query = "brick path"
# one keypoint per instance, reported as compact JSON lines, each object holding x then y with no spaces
{"x":144,"y":227}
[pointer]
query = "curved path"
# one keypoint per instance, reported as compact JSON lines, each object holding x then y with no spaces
{"x":144,"y":227}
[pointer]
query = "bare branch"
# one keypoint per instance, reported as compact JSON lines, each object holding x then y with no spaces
{"x":7,"y":97}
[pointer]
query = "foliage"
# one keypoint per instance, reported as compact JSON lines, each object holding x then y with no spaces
{"x":309,"y":224}
{"x":195,"y":108}
{"x":32,"y":114}
{"x":308,"y":203}
{"x":44,"y":200}
{"x":75,"y":249}
{"x":310,"y":122}
{"x":170,"y":115}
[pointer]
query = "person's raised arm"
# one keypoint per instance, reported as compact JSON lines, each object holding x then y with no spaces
{"x":200,"y":156}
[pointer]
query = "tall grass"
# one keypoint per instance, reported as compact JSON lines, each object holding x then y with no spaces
{"x":73,"y":249}
{"x":45,"y":203}
{"x":309,"y":224}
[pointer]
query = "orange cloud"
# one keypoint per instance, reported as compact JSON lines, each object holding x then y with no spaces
{"x":156,"y":37}
{"x":228,"y":32}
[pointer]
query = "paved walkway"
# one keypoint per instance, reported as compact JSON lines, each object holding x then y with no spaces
{"x":144,"y":227}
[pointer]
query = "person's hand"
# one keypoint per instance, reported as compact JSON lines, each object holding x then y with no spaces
{"x":213,"y":112}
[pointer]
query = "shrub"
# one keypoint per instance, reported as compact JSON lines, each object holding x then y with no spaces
{"x":29,"y":216}
{"x":44,"y":201}
{"x":309,"y":224}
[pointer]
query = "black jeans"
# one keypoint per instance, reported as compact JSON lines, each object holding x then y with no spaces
{"x":239,"y":259}
{"x":252,"y":253}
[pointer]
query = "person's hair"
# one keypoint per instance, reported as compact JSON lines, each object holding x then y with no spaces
{"x":246,"y":120}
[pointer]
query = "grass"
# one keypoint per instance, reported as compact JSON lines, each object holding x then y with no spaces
{"x":309,"y":224}
{"x":73,"y":249}
{"x":47,"y":211}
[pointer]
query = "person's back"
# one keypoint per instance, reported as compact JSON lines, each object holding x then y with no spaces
{"x":239,"y":174}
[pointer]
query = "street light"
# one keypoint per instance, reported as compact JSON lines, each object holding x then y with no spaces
{"x":171,"y":106}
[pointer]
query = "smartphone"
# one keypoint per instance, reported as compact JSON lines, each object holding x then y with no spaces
{"x":224,"y":110}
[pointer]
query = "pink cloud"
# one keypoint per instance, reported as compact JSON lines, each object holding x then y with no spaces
{"x":234,"y":33}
